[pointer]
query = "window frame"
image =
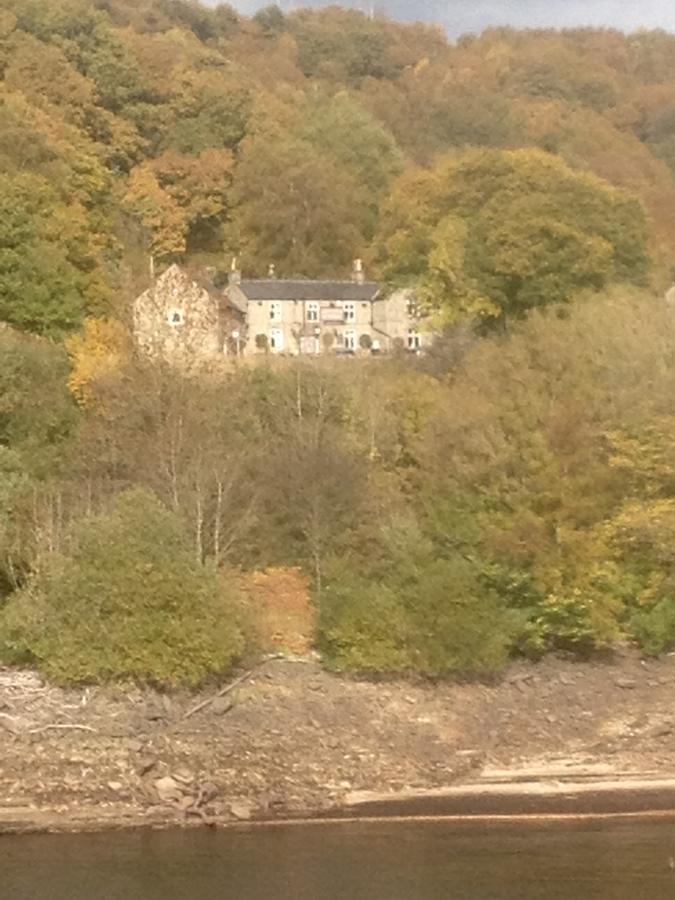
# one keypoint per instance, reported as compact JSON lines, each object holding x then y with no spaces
{"x":313,"y":311}
{"x":349,"y":312}
{"x":350,"y":340}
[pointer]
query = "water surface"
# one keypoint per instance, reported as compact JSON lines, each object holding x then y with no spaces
{"x":384,"y":861}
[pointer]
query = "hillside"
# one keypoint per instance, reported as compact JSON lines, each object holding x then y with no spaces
{"x":180,"y":131}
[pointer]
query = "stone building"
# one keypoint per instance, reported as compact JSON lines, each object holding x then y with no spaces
{"x":181,"y":318}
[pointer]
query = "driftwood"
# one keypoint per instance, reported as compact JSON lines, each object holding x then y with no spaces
{"x":63,"y":727}
{"x":222,"y":693}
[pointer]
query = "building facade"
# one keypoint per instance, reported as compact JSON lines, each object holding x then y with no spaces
{"x":180,"y":318}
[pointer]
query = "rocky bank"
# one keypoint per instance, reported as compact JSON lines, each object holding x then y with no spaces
{"x":289,"y":739}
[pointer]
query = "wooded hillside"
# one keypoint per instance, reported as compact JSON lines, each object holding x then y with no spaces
{"x":169,"y":128}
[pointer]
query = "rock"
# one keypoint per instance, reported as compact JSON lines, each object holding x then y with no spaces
{"x":221,"y":705}
{"x":168,"y":790}
{"x":167,"y":704}
{"x":627,"y":684}
{"x":208,"y":792}
{"x":186,"y":803}
{"x":115,"y":786}
{"x":519,"y":677}
{"x":662,"y":730}
{"x":134,"y":745}
{"x":9,"y":724}
{"x":184,"y":776}
{"x":241,"y":811}
{"x":145,"y":765}
{"x":153,"y":712}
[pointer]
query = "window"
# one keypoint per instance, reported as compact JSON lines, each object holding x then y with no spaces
{"x":411,"y":307}
{"x":312,"y":312}
{"x":276,"y":340}
{"x":349,"y":310}
{"x":350,"y":340}
{"x":275,"y":311}
{"x":175,"y":317}
{"x":414,"y":339}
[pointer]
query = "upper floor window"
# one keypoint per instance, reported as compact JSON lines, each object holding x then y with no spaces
{"x":411,"y":307}
{"x":275,"y":311}
{"x":349,"y":310}
{"x":312,"y":312}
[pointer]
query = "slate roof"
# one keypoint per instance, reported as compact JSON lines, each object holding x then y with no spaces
{"x":282,"y":289}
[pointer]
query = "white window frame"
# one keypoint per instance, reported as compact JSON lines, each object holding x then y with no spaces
{"x":276,"y":340}
{"x":349,"y":312}
{"x":313,"y":311}
{"x":349,"y":340}
{"x":414,"y":339}
{"x":276,"y":312}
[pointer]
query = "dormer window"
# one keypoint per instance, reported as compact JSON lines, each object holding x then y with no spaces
{"x":175,"y":317}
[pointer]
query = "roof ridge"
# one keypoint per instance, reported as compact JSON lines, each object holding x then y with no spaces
{"x":307,"y":281}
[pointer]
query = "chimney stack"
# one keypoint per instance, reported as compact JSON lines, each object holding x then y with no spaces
{"x":358,"y":275}
{"x":272,"y":271}
{"x":234,"y":276}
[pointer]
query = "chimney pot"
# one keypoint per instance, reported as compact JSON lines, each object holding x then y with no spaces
{"x":235,"y":275}
{"x":358,"y":275}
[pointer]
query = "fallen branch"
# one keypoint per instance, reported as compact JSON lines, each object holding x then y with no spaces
{"x":62,"y":728}
{"x":221,"y":693}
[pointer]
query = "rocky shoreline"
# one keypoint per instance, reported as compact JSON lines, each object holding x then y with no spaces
{"x":289,"y":741}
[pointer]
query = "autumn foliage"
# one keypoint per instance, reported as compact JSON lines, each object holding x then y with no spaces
{"x":136,"y":134}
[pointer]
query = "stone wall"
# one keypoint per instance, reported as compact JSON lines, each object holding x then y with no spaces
{"x":178,"y":320}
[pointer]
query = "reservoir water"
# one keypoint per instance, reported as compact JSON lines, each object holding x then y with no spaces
{"x":612,"y":860}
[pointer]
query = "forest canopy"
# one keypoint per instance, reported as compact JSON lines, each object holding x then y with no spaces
{"x":191,"y":133}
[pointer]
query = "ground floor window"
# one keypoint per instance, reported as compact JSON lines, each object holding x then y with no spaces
{"x":349,"y":340}
{"x":276,"y":340}
{"x":414,"y":340}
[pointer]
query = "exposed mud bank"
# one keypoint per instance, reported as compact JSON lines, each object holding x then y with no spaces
{"x":291,"y":741}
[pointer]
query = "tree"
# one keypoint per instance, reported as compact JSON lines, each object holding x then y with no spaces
{"x":127,"y":603}
{"x":49,"y":273}
{"x":182,"y":201}
{"x":98,"y":351}
{"x":493,"y":234}
{"x":296,"y":208}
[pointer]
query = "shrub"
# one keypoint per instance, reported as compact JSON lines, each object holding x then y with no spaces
{"x":431,"y":619}
{"x":654,"y":627}
{"x":129,"y":602}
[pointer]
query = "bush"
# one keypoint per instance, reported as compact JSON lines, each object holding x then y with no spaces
{"x":129,"y":602}
{"x":654,"y":628}
{"x":431,"y":619}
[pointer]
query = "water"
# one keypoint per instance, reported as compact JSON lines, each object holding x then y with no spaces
{"x":386,"y":861}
